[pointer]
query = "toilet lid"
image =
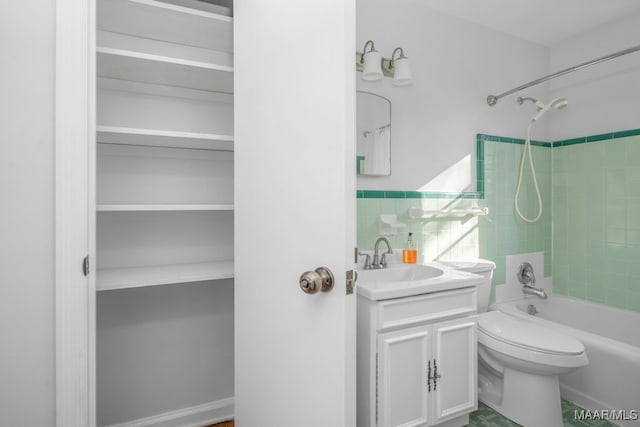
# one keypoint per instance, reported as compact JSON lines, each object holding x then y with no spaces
{"x":477,"y":265}
{"x":527,"y":334}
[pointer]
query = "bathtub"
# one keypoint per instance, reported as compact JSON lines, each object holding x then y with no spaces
{"x":611,"y":338}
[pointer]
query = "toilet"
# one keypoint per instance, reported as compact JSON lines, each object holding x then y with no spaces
{"x":519,"y":360}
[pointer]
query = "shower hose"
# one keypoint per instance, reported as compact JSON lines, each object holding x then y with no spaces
{"x":526,"y":152}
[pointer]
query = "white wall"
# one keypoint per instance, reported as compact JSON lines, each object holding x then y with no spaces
{"x":27,"y":395}
{"x":604,"y":97}
{"x":456,"y":64}
{"x":163,"y":348}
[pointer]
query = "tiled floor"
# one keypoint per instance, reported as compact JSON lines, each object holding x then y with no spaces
{"x":487,"y":417}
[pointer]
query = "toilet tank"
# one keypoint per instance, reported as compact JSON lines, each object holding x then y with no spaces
{"x":482,"y":267}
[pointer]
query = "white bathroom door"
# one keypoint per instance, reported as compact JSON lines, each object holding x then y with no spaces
{"x":294,"y":102}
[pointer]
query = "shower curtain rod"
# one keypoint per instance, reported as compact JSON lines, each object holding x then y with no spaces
{"x":493,"y":99}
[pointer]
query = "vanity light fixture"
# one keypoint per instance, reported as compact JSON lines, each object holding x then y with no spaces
{"x":402,"y":75}
{"x":372,"y":63}
{"x":373,"y":66}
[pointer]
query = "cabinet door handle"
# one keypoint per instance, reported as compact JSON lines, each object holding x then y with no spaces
{"x":436,"y":376}
{"x":429,"y":378}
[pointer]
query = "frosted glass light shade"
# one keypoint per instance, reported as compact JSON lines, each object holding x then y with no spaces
{"x":402,"y":75}
{"x":372,"y":69}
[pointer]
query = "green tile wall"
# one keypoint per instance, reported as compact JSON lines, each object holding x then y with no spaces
{"x":493,"y":236}
{"x":435,"y":238}
{"x":502,"y":233}
{"x":596,"y":213}
{"x":590,"y":223}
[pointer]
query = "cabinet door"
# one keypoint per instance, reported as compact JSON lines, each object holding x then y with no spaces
{"x":455,"y":357}
{"x":402,"y":377}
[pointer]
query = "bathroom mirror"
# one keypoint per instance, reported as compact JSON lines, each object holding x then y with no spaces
{"x":373,"y":132}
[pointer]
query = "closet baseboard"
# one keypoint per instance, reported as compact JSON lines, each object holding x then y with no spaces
{"x":193,"y":416}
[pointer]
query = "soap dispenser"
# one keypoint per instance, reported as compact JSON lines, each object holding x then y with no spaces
{"x":410,"y":254}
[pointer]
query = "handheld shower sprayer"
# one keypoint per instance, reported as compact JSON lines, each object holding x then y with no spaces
{"x":557,"y":104}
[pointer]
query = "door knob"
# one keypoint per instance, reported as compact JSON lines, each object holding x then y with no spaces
{"x":321,"y":279}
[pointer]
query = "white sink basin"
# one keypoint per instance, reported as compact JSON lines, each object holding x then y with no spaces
{"x":401,"y":280}
{"x":400,"y":273}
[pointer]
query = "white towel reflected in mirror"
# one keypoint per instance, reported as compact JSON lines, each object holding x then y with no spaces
{"x":376,"y":151}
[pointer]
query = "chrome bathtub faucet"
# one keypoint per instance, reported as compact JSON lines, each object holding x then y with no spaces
{"x":525,"y":276}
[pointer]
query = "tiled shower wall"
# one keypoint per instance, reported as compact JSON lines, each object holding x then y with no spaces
{"x":591,"y":188}
{"x":502,"y":232}
{"x":596,"y":219}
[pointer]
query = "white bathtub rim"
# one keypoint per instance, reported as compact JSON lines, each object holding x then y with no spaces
{"x":574,"y":300}
{"x":533,"y":299}
{"x":629,"y":351}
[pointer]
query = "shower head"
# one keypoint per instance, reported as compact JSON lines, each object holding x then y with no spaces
{"x":558,"y":104}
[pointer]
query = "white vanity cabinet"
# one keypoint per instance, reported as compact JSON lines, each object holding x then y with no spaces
{"x":417,"y":359}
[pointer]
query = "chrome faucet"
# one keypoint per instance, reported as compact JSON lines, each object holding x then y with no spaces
{"x":526,"y":276}
{"x":367,"y":260}
{"x":530,"y":290}
{"x":381,"y":262}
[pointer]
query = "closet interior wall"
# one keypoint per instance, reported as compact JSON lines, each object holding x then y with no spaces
{"x":164,"y":212}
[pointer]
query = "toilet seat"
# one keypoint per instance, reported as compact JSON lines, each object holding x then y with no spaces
{"x":528,"y":334}
{"x":527,"y":340}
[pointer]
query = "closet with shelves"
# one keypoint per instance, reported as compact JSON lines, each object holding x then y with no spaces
{"x":164,"y":212}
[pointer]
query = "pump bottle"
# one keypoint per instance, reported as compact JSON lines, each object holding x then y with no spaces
{"x":409,"y":253}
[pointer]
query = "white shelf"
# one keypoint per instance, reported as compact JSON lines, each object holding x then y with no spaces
{"x":425,"y":213}
{"x":136,"y":66}
{"x":187,"y":23}
{"x":138,"y":88}
{"x":195,"y":5}
{"x":162,"y":207}
{"x":137,"y":277}
{"x":163,"y":138}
